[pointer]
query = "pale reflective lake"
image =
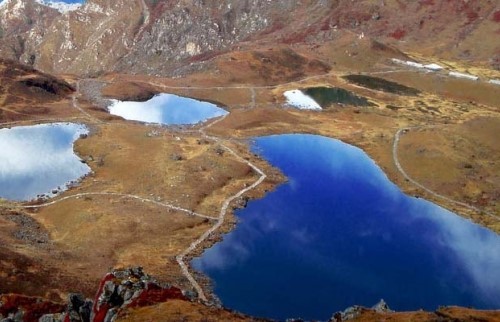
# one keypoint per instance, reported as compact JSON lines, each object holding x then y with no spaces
{"x":37,"y":159}
{"x":167,"y":109}
{"x":339,"y":233}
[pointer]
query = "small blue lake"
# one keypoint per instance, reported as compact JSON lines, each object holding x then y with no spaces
{"x":167,"y":109}
{"x":339,"y":233}
{"x":36,"y":160}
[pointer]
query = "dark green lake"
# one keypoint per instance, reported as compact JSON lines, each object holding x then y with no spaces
{"x":326,"y":96}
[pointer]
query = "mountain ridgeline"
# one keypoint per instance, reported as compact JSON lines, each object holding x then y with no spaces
{"x":166,"y":37}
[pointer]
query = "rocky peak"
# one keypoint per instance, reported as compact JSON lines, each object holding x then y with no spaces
{"x":22,"y":27}
{"x":59,"y":5}
{"x":23,"y":13}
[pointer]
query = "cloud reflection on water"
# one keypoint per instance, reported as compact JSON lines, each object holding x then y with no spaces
{"x":36,"y":159}
{"x":167,"y":109}
{"x":342,"y":225}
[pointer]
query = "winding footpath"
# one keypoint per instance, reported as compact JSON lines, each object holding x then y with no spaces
{"x":223,"y":211}
{"x":123,"y":195}
{"x":395,"y":144}
{"x":220,"y":219}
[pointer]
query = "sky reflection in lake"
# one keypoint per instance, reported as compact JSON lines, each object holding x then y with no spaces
{"x":167,"y":109}
{"x":340,"y":233}
{"x":37,"y":159}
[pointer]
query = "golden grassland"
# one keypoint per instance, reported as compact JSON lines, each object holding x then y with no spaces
{"x":450,"y":149}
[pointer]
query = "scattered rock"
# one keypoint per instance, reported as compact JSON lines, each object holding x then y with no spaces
{"x":220,"y":151}
{"x":129,"y":288}
{"x":381,"y":306}
{"x":153,"y":133}
{"x":355,"y":311}
{"x":348,"y":314}
{"x":202,"y":141}
{"x":118,"y":290}
{"x":21,"y":308}
{"x":28,"y":229}
{"x":176,"y":157}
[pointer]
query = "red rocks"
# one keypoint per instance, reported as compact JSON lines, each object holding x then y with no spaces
{"x":24,"y":308}
{"x":496,"y":16}
{"x":398,"y":34}
{"x":118,"y":290}
{"x":154,"y":294}
{"x":121,"y":289}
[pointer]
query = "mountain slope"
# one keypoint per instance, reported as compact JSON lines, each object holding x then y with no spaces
{"x":157,"y":37}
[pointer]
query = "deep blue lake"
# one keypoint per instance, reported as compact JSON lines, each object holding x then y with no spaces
{"x":37,"y":159}
{"x":167,"y":109}
{"x":339,"y":233}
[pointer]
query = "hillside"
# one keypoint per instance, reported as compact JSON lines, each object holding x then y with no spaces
{"x":160,"y":195}
{"x":163,"y":37}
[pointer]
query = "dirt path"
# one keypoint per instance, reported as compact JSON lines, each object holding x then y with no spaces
{"x":219,"y":220}
{"x":222,"y":213}
{"x":115,"y":194}
{"x":226,"y":203}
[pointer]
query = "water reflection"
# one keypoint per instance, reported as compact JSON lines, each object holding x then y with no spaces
{"x":326,"y":96}
{"x":38,"y":159}
{"x":167,"y":109}
{"x":340,"y":233}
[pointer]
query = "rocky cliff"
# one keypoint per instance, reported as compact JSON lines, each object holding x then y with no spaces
{"x":157,"y":37}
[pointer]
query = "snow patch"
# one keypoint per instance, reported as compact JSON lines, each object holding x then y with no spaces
{"x":16,"y":10}
{"x":432,"y":67}
{"x":59,"y":5}
{"x":298,"y":99}
{"x":465,"y":76}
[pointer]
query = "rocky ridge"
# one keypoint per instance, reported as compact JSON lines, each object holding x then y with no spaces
{"x":119,"y":289}
{"x":159,"y":37}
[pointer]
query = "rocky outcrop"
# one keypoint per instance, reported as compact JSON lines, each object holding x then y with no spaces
{"x":354,"y":312}
{"x":26,"y":309}
{"x":189,"y":31}
{"x":160,"y":37}
{"x":129,"y":288}
{"x":23,"y":25}
{"x":118,"y":290}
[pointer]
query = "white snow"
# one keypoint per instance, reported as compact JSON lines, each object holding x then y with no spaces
{"x":414,"y":64}
{"x":432,"y":67}
{"x":297,"y":98}
{"x":462,"y":75}
{"x":494,"y":81}
{"x":16,"y":9}
{"x":59,"y":5}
